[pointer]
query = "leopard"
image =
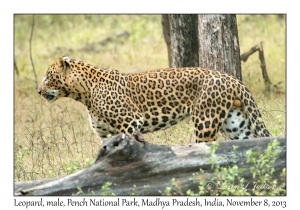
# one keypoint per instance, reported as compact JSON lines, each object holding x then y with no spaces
{"x":216,"y":102}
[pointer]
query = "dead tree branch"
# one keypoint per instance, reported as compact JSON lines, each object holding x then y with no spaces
{"x":130,"y":161}
{"x":263,"y":67}
{"x":30,"y":41}
{"x":260,"y":49}
{"x":245,"y":56}
{"x":16,"y":68}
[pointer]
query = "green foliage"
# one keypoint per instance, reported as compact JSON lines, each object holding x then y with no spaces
{"x":105,"y":190}
{"x":133,"y":190}
{"x":19,"y":156}
{"x":214,"y":159}
{"x":80,"y":192}
{"x":72,"y":166}
{"x":88,"y":162}
{"x":263,"y":167}
{"x":229,"y":181}
{"x":276,"y":131}
{"x":22,"y":153}
{"x":173,"y":189}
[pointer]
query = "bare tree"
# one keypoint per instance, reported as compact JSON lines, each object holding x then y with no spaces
{"x":184,"y":43}
{"x":219,"y":44}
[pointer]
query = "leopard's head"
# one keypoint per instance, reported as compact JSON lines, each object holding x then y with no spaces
{"x":54,"y":85}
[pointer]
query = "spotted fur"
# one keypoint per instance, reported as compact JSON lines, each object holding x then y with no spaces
{"x":156,"y":99}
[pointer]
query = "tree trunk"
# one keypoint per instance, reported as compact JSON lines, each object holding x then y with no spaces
{"x":166,"y":31}
{"x":219,"y":44}
{"x":207,"y":41}
{"x":130,"y":164}
{"x":183,"y":40}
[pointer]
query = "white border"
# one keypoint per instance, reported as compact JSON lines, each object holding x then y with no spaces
{"x":8,"y":8}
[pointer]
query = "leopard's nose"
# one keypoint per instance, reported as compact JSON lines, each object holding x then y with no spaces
{"x":39,"y":91}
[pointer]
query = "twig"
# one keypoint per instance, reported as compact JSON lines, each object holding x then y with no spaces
{"x":36,"y":84}
{"x":264,"y":67}
{"x":16,"y":68}
{"x":244,"y":57}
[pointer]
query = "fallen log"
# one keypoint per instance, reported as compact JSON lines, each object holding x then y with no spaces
{"x":134,"y":166}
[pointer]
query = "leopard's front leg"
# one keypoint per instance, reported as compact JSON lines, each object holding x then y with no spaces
{"x":112,"y":113}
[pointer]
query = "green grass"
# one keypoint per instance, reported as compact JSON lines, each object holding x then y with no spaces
{"x":56,"y":139}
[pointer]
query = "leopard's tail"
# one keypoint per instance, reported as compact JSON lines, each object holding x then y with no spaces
{"x":252,"y":112}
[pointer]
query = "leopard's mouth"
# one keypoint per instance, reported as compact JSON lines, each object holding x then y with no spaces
{"x":50,"y":96}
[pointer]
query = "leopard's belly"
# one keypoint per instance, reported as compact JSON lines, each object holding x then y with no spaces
{"x":162,"y":122}
{"x":151,"y":122}
{"x":101,"y":128}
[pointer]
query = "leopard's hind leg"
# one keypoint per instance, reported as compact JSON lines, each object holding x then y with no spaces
{"x":237,"y":125}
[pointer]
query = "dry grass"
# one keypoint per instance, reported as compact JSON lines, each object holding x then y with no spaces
{"x":56,"y":139}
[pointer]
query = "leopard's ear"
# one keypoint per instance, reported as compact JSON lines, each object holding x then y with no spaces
{"x":63,"y":62}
